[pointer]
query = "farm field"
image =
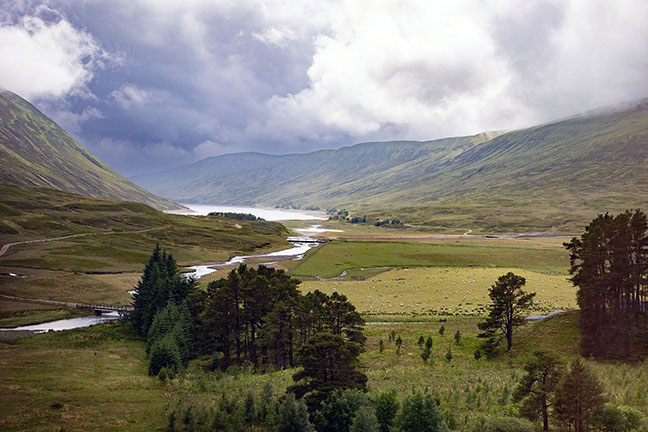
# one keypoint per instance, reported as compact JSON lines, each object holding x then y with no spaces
{"x":443,"y":290}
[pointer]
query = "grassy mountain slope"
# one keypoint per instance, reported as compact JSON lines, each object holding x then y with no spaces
{"x":550,"y":177}
{"x":113,"y":242}
{"x":35,"y":151}
{"x":125,"y":228}
{"x":322,"y":177}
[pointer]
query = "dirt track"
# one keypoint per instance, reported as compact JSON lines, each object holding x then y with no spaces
{"x":6,"y":247}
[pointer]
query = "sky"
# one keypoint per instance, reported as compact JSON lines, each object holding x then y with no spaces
{"x":147,"y":85}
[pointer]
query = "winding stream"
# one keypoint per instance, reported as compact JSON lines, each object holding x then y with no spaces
{"x":300,"y":245}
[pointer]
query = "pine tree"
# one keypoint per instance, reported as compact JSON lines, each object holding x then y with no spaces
{"x":448,"y":355}
{"x":537,"y":388}
{"x":579,"y":398}
{"x":508,"y":304}
{"x":164,"y":353}
{"x":329,"y":363}
{"x":293,"y":416}
{"x":365,"y":420}
{"x":609,"y":264}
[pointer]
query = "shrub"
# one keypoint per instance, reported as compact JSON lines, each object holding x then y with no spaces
{"x":504,"y":424}
{"x":339,"y":410}
{"x":421,"y":413}
{"x":162,"y":375}
{"x":386,"y":410}
{"x":293,"y":416}
{"x":365,"y":420}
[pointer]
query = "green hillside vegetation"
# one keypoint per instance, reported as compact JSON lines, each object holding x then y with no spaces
{"x":554,"y":177}
{"x":111,"y":390}
{"x":101,"y":266}
{"x":35,"y":151}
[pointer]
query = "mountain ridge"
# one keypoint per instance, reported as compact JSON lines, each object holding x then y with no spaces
{"x":550,"y":176}
{"x":36,"y":152}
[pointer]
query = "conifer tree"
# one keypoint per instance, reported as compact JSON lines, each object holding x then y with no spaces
{"x":508,"y":304}
{"x":579,"y":398}
{"x":329,"y":362}
{"x":537,"y":388}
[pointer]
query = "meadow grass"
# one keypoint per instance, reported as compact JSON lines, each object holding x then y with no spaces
{"x":98,"y":375}
{"x":443,"y":290}
{"x":16,"y":313}
{"x":331,"y":259}
{"x":79,"y":380}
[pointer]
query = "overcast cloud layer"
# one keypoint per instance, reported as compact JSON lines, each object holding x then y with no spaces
{"x":150,"y":84}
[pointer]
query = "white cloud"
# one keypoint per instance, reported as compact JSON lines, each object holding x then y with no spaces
{"x":209,"y":148}
{"x":129,"y":95}
{"x":272,"y":35}
{"x":428,"y":69}
{"x":47,"y":58}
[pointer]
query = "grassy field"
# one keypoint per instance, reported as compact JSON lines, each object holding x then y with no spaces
{"x":95,"y":378}
{"x":80,"y":380}
{"x":333,"y":258}
{"x":443,"y":290}
{"x":16,"y":313}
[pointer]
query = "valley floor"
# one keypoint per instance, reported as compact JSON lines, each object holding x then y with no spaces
{"x":96,"y":378}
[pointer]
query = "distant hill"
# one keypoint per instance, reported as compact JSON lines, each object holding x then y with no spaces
{"x":554,"y":176}
{"x":97,"y":235}
{"x":35,"y":151}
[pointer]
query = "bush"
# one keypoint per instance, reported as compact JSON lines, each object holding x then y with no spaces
{"x":365,"y":420}
{"x":614,"y":418}
{"x":293,"y":416}
{"x":386,"y":410}
{"x":504,"y":424}
{"x":162,"y":375}
{"x":421,"y":413}
{"x":339,"y":410}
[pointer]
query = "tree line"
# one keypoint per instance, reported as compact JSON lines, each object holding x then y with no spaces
{"x":254,"y":317}
{"x":609,"y":265}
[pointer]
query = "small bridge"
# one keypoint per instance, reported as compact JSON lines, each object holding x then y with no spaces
{"x":100,"y":309}
{"x":296,"y":239}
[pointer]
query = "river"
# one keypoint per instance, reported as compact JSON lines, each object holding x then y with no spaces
{"x":71,"y":323}
{"x":300,"y":245}
{"x":268,"y":214}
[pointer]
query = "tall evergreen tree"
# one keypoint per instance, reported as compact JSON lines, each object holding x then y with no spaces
{"x":508,"y":304}
{"x":579,"y":398}
{"x":160,"y":283}
{"x":329,"y":363}
{"x":609,"y":265}
{"x":537,"y":388}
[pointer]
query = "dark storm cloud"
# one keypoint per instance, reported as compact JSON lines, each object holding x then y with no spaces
{"x":147,"y":84}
